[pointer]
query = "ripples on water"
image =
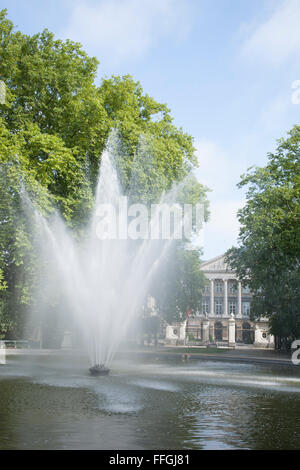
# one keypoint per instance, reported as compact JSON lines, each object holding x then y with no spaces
{"x":52,"y":402}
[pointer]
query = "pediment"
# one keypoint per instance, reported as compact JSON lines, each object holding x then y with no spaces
{"x":216,"y":264}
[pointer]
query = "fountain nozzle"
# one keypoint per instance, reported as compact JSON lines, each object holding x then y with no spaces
{"x":99,"y":369}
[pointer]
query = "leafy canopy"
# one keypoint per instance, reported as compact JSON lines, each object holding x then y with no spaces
{"x":268,"y":256}
{"x":54,"y":126}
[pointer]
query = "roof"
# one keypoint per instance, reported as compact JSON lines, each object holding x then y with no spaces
{"x":216,"y":264}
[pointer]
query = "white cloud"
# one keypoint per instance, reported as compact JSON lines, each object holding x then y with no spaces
{"x":124,"y":29}
{"x":277,"y":39}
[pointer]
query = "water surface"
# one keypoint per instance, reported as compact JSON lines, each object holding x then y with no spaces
{"x":51,"y":402}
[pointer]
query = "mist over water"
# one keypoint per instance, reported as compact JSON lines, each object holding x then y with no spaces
{"x":98,"y":285}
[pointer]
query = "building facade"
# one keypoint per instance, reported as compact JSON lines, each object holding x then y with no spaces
{"x":225,"y":314}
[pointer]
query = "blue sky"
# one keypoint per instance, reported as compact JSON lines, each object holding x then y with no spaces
{"x":225,"y":68}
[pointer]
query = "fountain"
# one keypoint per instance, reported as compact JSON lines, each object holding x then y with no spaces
{"x":99,"y":369}
{"x":102,"y":280}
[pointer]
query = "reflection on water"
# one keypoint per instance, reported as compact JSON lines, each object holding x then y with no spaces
{"x":50,"y":402}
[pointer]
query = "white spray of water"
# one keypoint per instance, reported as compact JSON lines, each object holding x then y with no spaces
{"x":103,"y":283}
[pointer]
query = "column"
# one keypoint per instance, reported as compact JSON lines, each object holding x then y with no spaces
{"x":231,"y":332}
{"x":67,"y":340}
{"x":212,"y":300}
{"x":225,"y":298}
{"x":271,"y":341}
{"x":257,"y":335}
{"x":2,"y":353}
{"x":205,"y":326}
{"x":240,"y":300}
{"x":182,"y":331}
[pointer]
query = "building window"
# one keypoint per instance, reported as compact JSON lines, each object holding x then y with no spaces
{"x":218,"y":307}
{"x":219,"y":286}
{"x":246,"y":309}
{"x":205,"y":307}
{"x":232,"y":307}
{"x":232,"y":287}
{"x":206,"y":288}
{"x":246,"y":290}
{"x":175,"y":332}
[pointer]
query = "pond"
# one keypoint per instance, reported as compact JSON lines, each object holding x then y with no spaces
{"x":50,"y":401}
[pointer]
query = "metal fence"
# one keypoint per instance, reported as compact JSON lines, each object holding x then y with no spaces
{"x":218,"y":332}
{"x":15,"y":344}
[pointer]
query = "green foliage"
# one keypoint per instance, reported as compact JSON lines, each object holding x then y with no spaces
{"x":134,"y":114}
{"x":269,"y":253}
{"x":54,"y":127}
{"x":180,"y":285}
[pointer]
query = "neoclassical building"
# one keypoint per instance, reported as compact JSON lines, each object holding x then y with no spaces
{"x":225,"y":314}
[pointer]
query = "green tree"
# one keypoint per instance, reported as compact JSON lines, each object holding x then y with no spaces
{"x":136,"y":114}
{"x":179,"y":285}
{"x":268,"y":255}
{"x":54,"y":127}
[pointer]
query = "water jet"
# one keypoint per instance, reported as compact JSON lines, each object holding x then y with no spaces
{"x":101,"y":281}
